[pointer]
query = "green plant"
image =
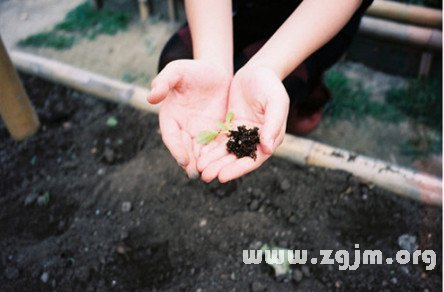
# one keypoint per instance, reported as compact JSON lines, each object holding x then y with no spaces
{"x":206,"y":137}
{"x":421,"y":101}
{"x":86,"y":20}
{"x":81,"y":22}
{"x":350,"y":101}
{"x":48,"y":39}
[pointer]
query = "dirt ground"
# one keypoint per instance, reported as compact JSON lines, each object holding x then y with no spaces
{"x":85,"y":206}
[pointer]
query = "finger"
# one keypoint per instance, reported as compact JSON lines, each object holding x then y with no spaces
{"x":190,"y":169}
{"x":172,"y":138}
{"x":218,"y":152}
{"x":212,"y":170}
{"x":276,"y":113}
{"x":166,"y":81}
{"x":210,"y":146}
{"x":197,"y":149}
{"x":240,"y":167}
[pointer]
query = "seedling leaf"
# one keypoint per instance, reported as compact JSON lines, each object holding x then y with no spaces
{"x":222,"y":126}
{"x":43,"y":200}
{"x":206,"y":137}
{"x":229,"y":117}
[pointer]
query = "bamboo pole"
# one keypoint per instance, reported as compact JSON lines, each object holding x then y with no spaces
{"x":402,"y":33}
{"x":406,"y":13}
{"x":401,"y":181}
{"x":15,"y":108}
{"x":84,"y":81}
{"x":418,"y":186}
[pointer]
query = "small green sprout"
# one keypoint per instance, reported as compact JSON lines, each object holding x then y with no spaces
{"x":207,"y":136}
{"x":43,"y":200}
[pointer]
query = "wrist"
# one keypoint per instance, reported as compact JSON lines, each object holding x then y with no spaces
{"x":256,"y":66}
{"x":222,"y":66}
{"x":224,"y":63}
{"x":268,"y":64}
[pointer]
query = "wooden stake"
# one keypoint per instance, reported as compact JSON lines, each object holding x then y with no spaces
{"x":15,"y":108}
{"x":144,"y":9}
{"x":425,"y":65}
{"x":171,"y":10}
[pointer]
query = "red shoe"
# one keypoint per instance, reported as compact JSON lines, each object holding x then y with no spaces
{"x":305,"y":117}
{"x":302,"y":124}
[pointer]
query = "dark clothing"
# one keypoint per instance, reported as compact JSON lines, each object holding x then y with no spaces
{"x":254,"y":22}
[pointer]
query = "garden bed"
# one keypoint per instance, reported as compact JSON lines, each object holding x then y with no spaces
{"x":95,"y":202}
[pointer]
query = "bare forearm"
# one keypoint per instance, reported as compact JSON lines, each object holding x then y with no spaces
{"x":211,"y":28}
{"x":310,"y":26}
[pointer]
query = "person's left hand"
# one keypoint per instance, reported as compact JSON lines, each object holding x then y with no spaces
{"x":257,"y":99}
{"x":194,"y":97}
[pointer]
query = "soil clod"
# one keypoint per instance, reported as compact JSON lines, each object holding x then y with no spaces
{"x":242,"y":142}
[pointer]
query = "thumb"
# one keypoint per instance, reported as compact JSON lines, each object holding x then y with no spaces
{"x":166,"y":81}
{"x":276,"y":113}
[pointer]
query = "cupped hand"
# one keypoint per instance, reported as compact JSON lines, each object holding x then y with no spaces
{"x":258,"y":99}
{"x":194,"y":95}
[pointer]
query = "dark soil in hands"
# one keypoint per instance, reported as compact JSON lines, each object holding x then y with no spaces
{"x":132,"y":221}
{"x":243,"y":142}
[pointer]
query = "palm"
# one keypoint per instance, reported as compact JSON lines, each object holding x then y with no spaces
{"x":195,"y":98}
{"x":257,"y":99}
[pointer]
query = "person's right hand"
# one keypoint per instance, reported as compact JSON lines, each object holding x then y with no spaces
{"x":257,"y":99}
{"x":194,"y":95}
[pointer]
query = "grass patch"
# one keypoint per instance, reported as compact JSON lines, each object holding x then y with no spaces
{"x":81,"y":22}
{"x":129,"y":77}
{"x":351,"y":101}
{"x":48,"y":39}
{"x":421,"y":101}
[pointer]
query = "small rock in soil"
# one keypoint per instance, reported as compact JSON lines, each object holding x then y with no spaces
{"x":44,"y":277}
{"x":203,"y":223}
{"x":407,"y":242}
{"x":306,"y":271}
{"x":109,"y":155}
{"x":293,"y":219}
{"x":233,"y":276}
{"x":126,"y":207}
{"x":258,"y":287}
{"x":258,"y":194}
{"x":31,"y":198}
{"x":297,"y":275}
{"x":285,"y":185}
{"x":11,"y":273}
{"x":254,"y":205}
{"x":124,"y":235}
